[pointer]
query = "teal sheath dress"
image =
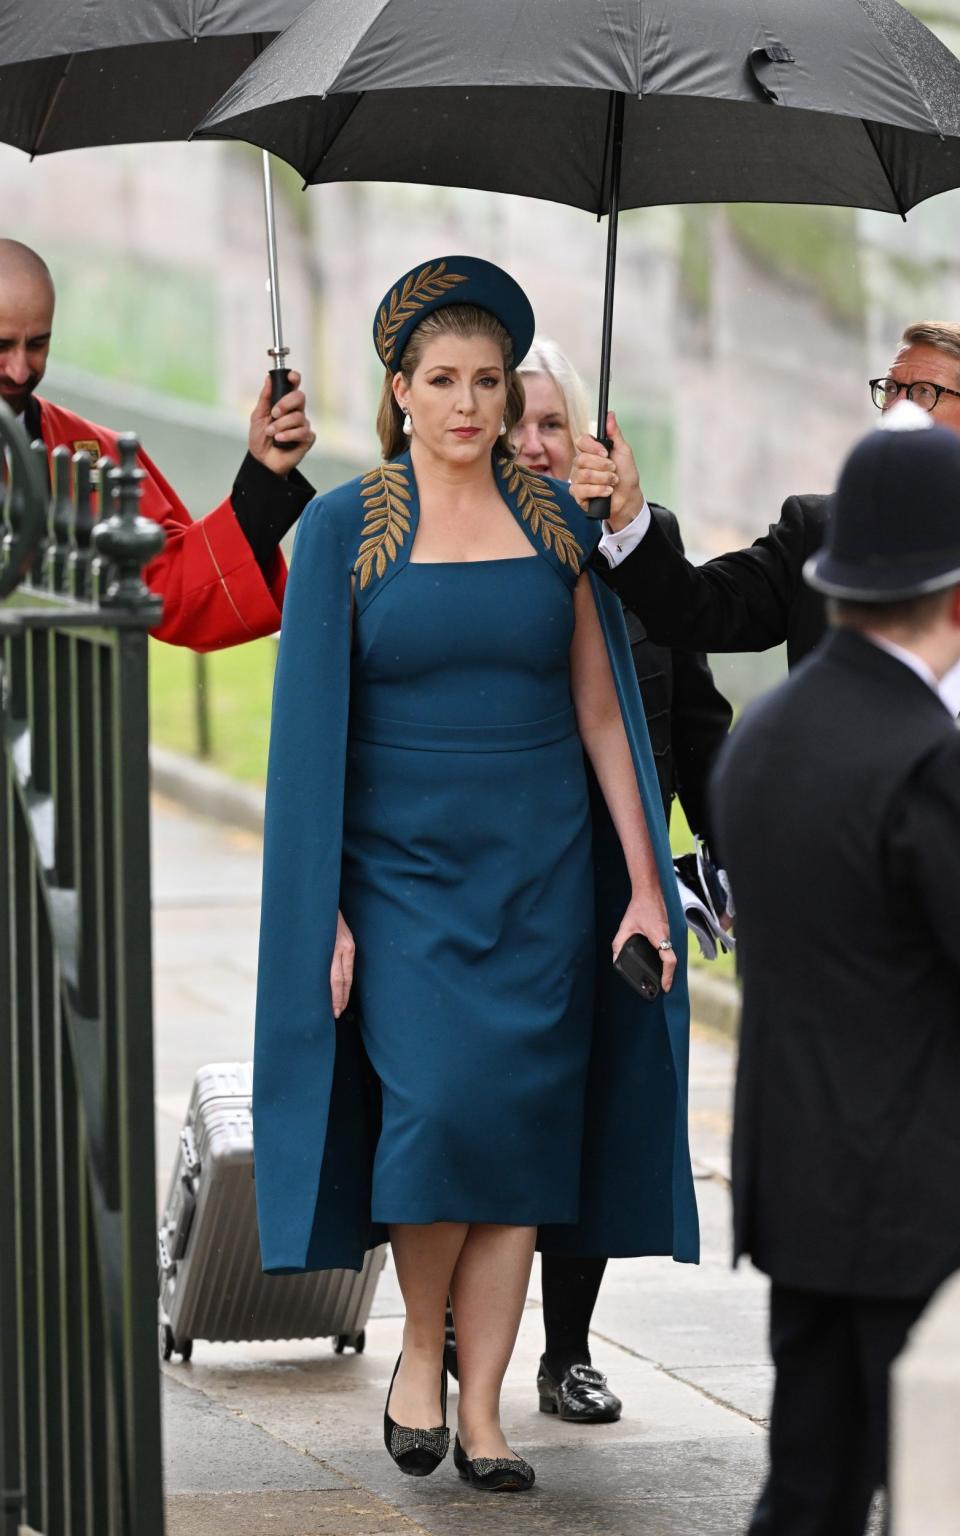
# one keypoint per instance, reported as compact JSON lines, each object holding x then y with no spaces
{"x":427,"y":776}
{"x":468,"y":884}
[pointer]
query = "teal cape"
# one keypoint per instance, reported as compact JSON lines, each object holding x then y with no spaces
{"x":315,"y":1097}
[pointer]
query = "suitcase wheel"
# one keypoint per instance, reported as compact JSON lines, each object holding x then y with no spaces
{"x":355,"y":1341}
{"x":170,"y":1346}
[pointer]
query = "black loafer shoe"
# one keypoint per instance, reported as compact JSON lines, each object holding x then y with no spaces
{"x":418,"y":1452}
{"x":581,"y":1397}
{"x":502,"y":1474}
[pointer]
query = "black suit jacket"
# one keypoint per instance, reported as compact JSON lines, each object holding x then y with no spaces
{"x":837,"y":811}
{"x":746,"y":601}
{"x":687,"y":716}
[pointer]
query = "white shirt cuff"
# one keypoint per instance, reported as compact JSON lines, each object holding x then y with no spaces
{"x":617,"y":546}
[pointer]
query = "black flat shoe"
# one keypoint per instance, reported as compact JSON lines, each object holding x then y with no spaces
{"x":499,"y":1474}
{"x":580,"y":1397}
{"x":418,"y":1452}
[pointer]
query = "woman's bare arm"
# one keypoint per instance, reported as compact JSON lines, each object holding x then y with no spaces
{"x":605,"y":740}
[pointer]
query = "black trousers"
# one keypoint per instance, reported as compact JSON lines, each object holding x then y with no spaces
{"x":570,"y":1289}
{"x":829,"y":1425}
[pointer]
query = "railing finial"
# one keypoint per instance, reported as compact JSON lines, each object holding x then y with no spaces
{"x":25,"y":502}
{"x":59,"y":521}
{"x":125,"y":539}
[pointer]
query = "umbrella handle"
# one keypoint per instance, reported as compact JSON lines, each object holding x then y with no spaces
{"x":279,"y":386}
{"x":599,"y":506}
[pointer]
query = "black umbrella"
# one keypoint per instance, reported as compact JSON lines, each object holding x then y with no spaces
{"x":79,"y":73}
{"x":629,"y":102}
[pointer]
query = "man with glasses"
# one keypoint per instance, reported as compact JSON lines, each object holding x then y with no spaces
{"x":753,"y":598}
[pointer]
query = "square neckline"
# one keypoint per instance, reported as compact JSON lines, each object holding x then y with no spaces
{"x":493,"y":560}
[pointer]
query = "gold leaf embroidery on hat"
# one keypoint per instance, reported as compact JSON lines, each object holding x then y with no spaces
{"x":386,"y":495}
{"x":538,"y":507}
{"x":431,"y":282}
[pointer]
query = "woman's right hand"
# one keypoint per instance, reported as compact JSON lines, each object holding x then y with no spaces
{"x":341,"y":971}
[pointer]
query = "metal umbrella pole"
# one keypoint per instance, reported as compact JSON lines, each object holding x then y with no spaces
{"x":279,"y":373}
{"x":600,"y":505}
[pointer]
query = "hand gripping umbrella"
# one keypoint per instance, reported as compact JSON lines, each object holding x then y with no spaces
{"x":79,"y":73}
{"x":636,"y":102}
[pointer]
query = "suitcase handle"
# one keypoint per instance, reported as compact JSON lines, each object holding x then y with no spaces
{"x":191,"y":1157}
{"x":164,"y":1261}
{"x":181,"y":1232}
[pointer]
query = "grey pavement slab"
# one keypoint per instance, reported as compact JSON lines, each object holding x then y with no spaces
{"x":212,"y":1447}
{"x":287,"y":1438}
{"x":351,"y":1513}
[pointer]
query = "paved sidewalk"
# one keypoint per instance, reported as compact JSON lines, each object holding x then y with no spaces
{"x":286,"y":1438}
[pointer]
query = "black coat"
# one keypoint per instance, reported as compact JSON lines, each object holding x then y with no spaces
{"x":837,"y":812}
{"x":746,"y":601}
{"x":687,"y":716}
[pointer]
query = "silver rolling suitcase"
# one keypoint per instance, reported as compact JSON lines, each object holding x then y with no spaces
{"x":211,"y":1283}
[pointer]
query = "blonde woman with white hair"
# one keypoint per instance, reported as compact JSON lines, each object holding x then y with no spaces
{"x":688,"y":720}
{"x":556,"y":412}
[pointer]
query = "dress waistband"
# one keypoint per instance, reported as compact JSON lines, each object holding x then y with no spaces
{"x":464,"y":738}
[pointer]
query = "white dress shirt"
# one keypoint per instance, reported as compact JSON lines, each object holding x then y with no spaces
{"x":947,"y":688}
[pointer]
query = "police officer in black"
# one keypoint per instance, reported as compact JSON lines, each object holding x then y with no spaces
{"x":837,"y":814}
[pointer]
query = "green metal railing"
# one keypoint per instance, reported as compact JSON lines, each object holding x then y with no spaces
{"x":80,"y":1450}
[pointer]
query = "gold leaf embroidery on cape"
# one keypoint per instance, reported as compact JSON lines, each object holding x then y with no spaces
{"x":431,"y":282}
{"x":538,"y":507}
{"x":386,"y":512}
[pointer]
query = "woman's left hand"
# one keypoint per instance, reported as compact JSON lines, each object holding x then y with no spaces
{"x":647,"y":914}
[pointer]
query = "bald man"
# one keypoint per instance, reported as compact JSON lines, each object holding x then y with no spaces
{"x":222,"y":577}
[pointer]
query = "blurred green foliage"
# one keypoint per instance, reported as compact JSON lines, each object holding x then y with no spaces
{"x":239,"y":693}
{"x":645,"y":423}
{"x":817,"y":248}
{"x":162,"y":320}
{"x":694,"y":255}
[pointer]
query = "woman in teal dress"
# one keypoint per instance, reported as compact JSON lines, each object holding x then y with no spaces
{"x":463,"y":826}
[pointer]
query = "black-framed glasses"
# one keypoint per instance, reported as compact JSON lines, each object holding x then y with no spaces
{"x":887,"y":391}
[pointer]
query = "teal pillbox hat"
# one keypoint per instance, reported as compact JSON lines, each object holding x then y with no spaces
{"x":451,"y":280}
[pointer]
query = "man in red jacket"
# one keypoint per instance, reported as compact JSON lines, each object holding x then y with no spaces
{"x":222,"y":577}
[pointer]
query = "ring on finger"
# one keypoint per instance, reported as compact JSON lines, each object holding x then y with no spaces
{"x":665,"y":944}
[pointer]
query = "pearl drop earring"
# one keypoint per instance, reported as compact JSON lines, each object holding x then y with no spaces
{"x":503,"y":425}
{"x":407,"y":424}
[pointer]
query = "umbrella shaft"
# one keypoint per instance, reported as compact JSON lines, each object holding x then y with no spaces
{"x":278,"y":351}
{"x":613,"y":214}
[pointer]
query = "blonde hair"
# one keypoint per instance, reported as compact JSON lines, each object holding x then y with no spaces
{"x":464,"y":320}
{"x":546,"y":357}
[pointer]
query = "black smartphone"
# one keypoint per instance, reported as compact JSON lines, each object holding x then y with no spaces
{"x":640,"y":964}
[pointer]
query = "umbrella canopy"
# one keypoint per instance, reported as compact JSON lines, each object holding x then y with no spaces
{"x":849,"y":102}
{"x":78,"y":73}
{"x":611,"y":103}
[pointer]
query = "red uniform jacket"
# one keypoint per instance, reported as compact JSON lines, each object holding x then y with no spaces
{"x":214,"y":592}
